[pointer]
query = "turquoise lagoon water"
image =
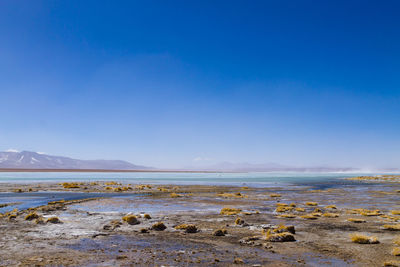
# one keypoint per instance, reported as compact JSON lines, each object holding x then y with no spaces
{"x":251,"y":179}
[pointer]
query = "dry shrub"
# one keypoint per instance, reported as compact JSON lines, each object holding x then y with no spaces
{"x":363,"y":239}
{"x":309,"y":217}
{"x":391,"y":264}
{"x":189,"y":228}
{"x":331,"y":207}
{"x":356,"y":220}
{"x":275,"y":195}
{"x":31,"y":216}
{"x":279,"y":237}
{"x":130,"y":219}
{"x":159,"y":226}
{"x":396,"y":251}
{"x":230,"y":211}
{"x":289,"y":216}
{"x":392,"y":227}
{"x":330,"y":215}
{"x":220,"y":232}
{"x":70,"y":185}
{"x":53,"y":220}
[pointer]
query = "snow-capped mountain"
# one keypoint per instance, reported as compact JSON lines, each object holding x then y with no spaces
{"x":34,"y":160}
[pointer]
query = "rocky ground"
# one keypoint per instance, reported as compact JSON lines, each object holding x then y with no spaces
{"x":204,"y":226}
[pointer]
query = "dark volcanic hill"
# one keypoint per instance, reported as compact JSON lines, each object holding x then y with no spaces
{"x":33,"y":160}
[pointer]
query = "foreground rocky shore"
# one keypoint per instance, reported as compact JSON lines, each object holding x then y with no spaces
{"x":355,"y":224}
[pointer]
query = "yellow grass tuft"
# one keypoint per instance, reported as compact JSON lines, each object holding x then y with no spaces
{"x":175,"y":195}
{"x":392,"y":227}
{"x":300,"y":209}
{"x":391,"y":264}
{"x":147,"y":216}
{"x":31,"y":216}
{"x":275,"y":195}
{"x":331,"y":207}
{"x":396,"y":251}
{"x":70,"y":185}
{"x":159,"y":226}
{"x":395,"y":212}
{"x":239,"y":221}
{"x":283,"y":209}
{"x":309,"y":217}
{"x":396,"y":241}
{"x":189,"y":228}
{"x":53,"y":220}
{"x":111,"y":183}
{"x":220,"y":232}
{"x":363,"y":239}
{"x":40,"y":221}
{"x":283,"y":228}
{"x":238,"y":261}
{"x":356,"y":220}
{"x":230,"y":211}
{"x":130,"y":219}
{"x":311,"y":203}
{"x":289,"y":216}
{"x":279,"y":237}
{"x":330,"y":215}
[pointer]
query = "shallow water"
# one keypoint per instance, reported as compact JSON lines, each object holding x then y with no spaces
{"x":238,"y":179}
{"x":23,"y":201}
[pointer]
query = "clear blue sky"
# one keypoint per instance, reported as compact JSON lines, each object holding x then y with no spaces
{"x":174,"y":83}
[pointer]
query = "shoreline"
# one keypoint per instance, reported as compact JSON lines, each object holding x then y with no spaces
{"x":92,"y":231}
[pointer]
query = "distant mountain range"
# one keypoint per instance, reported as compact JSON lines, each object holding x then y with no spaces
{"x":275,"y":167}
{"x":34,"y":160}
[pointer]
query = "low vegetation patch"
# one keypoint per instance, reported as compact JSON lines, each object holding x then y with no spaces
{"x":391,"y":264}
{"x":189,"y":228}
{"x":40,"y":221}
{"x":239,"y":221}
{"x":300,"y":209}
{"x":356,"y":220}
{"x":396,"y":251}
{"x":53,"y":220}
{"x":395,"y":212}
{"x":392,"y":227}
{"x":283,"y":228}
{"x":330,"y":215}
{"x":130,"y":219}
{"x":363,"y":239}
{"x":309,"y":217}
{"x":220,"y":232}
{"x":31,"y":216}
{"x":311,"y":203}
{"x":289,"y":216}
{"x":275,"y":195}
{"x":230,"y":211}
{"x":331,"y":207}
{"x":111,"y":183}
{"x":70,"y":185}
{"x":159,"y":226}
{"x":147,"y":216}
{"x":283,"y":208}
{"x":238,"y":261}
{"x":279,"y":237}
